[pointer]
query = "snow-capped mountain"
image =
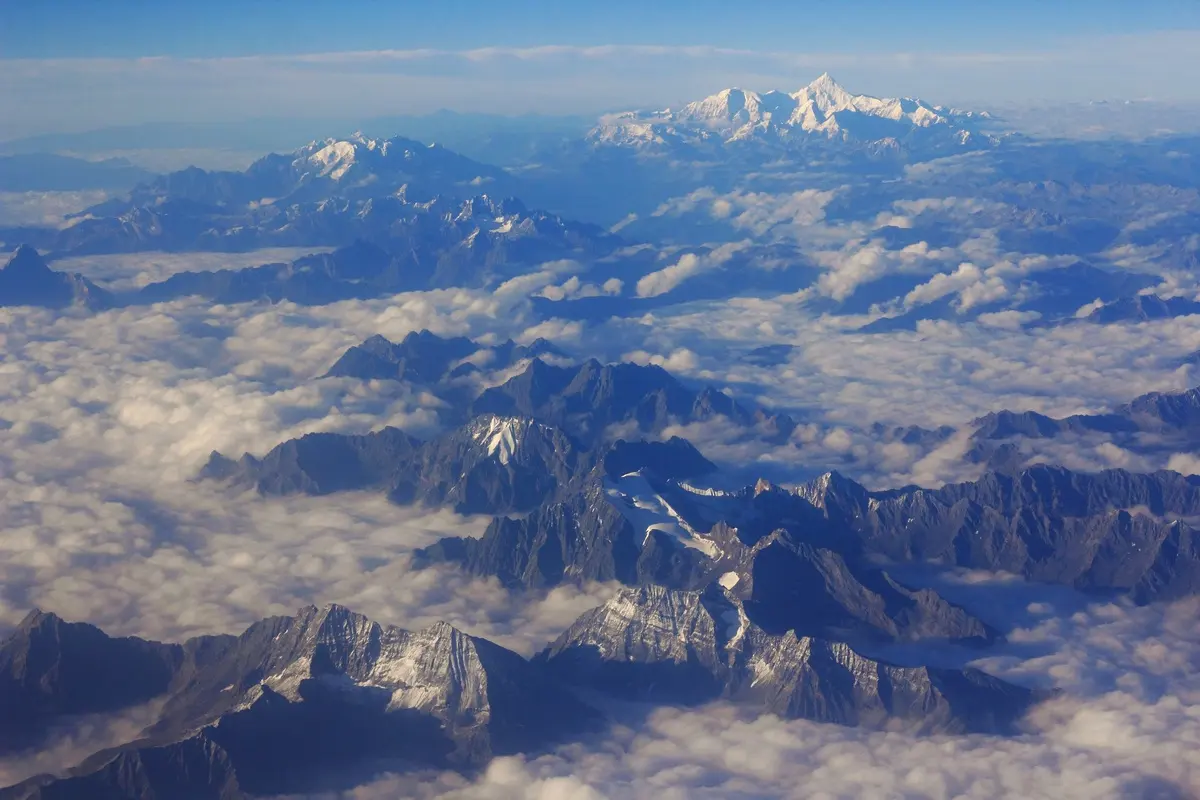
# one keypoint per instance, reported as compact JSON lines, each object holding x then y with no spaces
{"x":822,"y":110}
{"x":357,"y":166}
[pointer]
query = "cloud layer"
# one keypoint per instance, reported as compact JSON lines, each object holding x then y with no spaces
{"x":105,"y":418}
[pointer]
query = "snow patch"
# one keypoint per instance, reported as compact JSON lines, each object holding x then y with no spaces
{"x":649,"y":511}
{"x":500,"y":436}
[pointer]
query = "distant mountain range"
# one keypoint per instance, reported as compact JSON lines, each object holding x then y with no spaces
{"x":386,"y":247}
{"x":822,"y":111}
{"x":356,"y":167}
{"x":505,"y":228}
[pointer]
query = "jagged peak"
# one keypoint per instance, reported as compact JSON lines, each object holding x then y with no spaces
{"x":825,"y":83}
{"x":501,"y":435}
{"x":36,"y":618}
{"x":26,"y":259}
{"x":832,"y":482}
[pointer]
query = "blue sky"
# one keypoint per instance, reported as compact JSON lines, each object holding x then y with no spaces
{"x":78,"y":64}
{"x":121,"y":28}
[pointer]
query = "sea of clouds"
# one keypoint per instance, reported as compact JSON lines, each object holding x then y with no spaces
{"x":105,"y":419}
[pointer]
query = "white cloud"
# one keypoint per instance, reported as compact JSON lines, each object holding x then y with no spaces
{"x":852,"y":269}
{"x":687,"y":266}
{"x":667,"y":278}
{"x":767,"y":216}
{"x":681,"y":361}
{"x":1012,"y":319}
{"x":1184,"y":463}
{"x":943,"y":284}
{"x":573,"y":288}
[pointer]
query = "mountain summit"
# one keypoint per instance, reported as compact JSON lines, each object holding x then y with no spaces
{"x":26,"y":280}
{"x":822,"y":109}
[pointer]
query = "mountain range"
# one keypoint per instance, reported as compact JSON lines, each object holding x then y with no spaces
{"x":356,"y":167}
{"x":383,"y":247}
{"x":822,"y":111}
{"x":1108,"y":531}
{"x":488,"y":230}
{"x":326,"y":699}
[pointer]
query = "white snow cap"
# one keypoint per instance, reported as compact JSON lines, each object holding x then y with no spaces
{"x":823,"y":107}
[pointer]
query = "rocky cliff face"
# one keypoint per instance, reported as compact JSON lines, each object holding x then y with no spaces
{"x":656,"y":644}
{"x":323,"y":699}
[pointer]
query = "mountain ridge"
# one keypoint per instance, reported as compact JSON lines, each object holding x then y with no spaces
{"x":821,"y":110}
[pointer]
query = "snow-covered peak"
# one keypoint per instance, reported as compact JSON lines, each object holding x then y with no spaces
{"x":501,"y":437}
{"x":737,"y":107}
{"x":334,"y":158}
{"x":826,"y":93}
{"x":823,"y":108}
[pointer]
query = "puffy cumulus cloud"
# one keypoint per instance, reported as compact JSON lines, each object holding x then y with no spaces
{"x":1184,"y":463}
{"x":687,"y":266}
{"x":860,"y":262}
{"x":698,"y":199}
{"x":557,"y":330}
{"x":768,"y":216}
{"x":784,"y":215}
{"x":862,"y":265}
{"x":1010,"y":320}
{"x":973,"y":286}
{"x":664,"y":280}
{"x":682,"y":361}
{"x":573,"y":288}
{"x":105,"y":418}
{"x":537,"y":281}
